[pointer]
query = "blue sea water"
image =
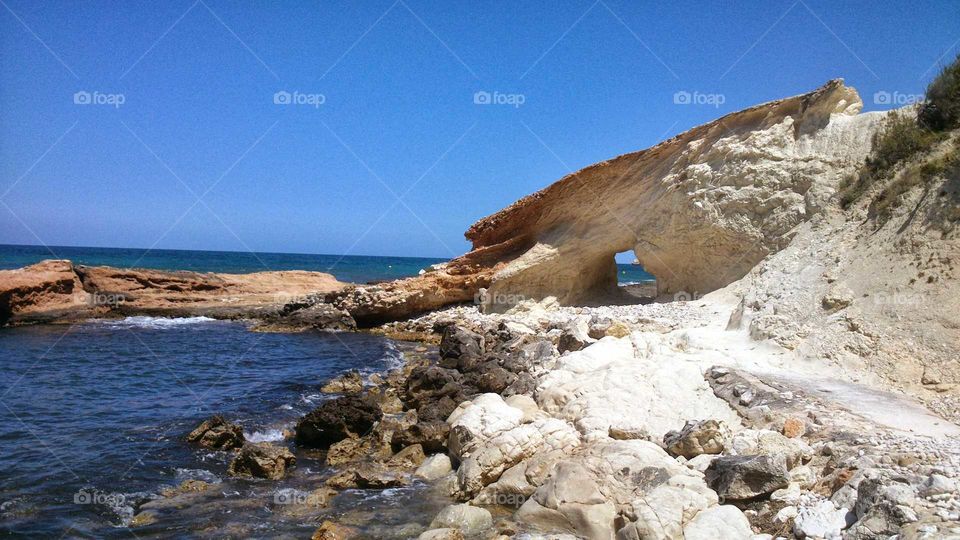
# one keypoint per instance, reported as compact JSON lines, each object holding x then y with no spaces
{"x":351,"y":268}
{"x":93,"y":418}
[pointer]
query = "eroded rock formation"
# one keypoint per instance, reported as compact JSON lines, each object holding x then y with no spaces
{"x":698,"y":210}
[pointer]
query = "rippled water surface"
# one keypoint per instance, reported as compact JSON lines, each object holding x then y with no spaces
{"x":93,"y":416}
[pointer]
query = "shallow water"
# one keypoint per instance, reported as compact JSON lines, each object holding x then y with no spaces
{"x":93,"y":417}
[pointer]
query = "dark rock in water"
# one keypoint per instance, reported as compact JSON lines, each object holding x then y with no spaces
{"x":318,"y":315}
{"x":350,"y":382}
{"x":431,"y":435}
{"x":262,"y":460}
{"x":347,"y":416}
{"x":218,"y":434}
{"x":740,"y":478}
{"x":460,"y":344}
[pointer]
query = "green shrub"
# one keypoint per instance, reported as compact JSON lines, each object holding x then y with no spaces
{"x":941,"y":110}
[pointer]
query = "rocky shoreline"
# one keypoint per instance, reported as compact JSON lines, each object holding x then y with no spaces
{"x":609,"y":422}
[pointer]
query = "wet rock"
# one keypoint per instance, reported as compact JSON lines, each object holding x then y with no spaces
{"x":468,"y":519}
{"x":218,"y":434}
{"x":318,"y":315}
{"x":357,"y":448}
{"x":147,"y":517}
{"x":822,"y":520}
{"x":349,"y":383}
{"x":262,"y":460}
{"x":409,"y":458}
{"x":335,"y":420}
{"x":329,"y":530}
{"x":704,"y":437}
{"x":187,"y":486}
{"x":441,"y":534}
{"x":434,"y":467}
{"x":367,"y":476}
{"x":740,"y":478}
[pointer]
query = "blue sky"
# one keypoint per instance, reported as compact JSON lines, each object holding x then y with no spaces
{"x":387,"y":151}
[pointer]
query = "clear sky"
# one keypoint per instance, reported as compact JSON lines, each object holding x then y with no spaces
{"x":383,"y":148}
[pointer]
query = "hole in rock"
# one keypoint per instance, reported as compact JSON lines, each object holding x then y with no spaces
{"x":635,"y":285}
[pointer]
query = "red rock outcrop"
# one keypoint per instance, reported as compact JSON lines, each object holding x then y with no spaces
{"x":59,"y":291}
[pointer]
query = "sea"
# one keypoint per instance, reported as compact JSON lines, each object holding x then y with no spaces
{"x":350,"y":268}
{"x":93,"y":415}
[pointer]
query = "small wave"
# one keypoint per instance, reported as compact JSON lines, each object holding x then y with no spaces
{"x":267,"y":435}
{"x":142,"y":321}
{"x":196,"y":474}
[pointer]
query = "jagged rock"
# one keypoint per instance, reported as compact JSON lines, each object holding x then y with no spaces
{"x":368,"y":476}
{"x":432,"y":436}
{"x":937,"y":484}
{"x":409,"y":458}
{"x":628,"y":433}
{"x":575,"y":336}
{"x":704,"y":437}
{"x":822,"y":520}
{"x":664,"y":511}
{"x":262,"y":460}
{"x":718,"y":523}
{"x":487,"y":459}
{"x":459,"y":347}
{"x":482,"y":418}
{"x":218,"y":434}
{"x":569,"y":497}
{"x":434,"y":467}
{"x":738,"y":478}
{"x":356,"y":449}
{"x":335,"y":420}
{"x":750,"y":442}
{"x":349,"y":383}
{"x":468,"y":519}
{"x":581,"y":390}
